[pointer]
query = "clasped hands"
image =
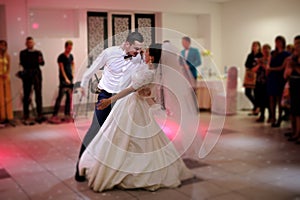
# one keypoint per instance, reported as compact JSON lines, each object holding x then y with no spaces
{"x":144,"y":92}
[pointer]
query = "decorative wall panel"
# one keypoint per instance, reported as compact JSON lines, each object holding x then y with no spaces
{"x":121,"y":26}
{"x":97,"y":34}
{"x":145,"y":24}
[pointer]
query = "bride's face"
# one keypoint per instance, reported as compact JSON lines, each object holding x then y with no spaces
{"x":147,"y":56}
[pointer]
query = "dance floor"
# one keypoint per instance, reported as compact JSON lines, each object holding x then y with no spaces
{"x":250,"y":161}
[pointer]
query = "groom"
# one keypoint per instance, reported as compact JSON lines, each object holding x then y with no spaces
{"x":119,"y":62}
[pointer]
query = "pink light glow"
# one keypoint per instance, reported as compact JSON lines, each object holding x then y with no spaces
{"x":171,"y":128}
{"x":35,"y":25}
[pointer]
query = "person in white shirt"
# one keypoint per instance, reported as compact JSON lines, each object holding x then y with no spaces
{"x":119,"y":63}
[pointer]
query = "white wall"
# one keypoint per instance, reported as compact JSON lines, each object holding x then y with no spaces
{"x":18,"y":23}
{"x":246,"y":21}
{"x":195,"y":26}
{"x":16,"y":31}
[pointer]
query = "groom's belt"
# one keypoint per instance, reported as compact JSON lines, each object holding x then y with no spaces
{"x":102,"y":91}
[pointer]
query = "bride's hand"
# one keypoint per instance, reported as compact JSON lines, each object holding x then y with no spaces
{"x":104,"y":103}
{"x":144,"y":92}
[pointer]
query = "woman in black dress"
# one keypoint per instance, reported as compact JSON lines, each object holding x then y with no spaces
{"x":293,"y":74}
{"x":250,"y":63}
{"x":260,"y":90}
{"x":275,"y":80}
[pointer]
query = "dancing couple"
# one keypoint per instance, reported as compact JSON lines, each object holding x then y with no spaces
{"x":125,"y":147}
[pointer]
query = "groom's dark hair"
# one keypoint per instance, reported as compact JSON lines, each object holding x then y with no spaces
{"x":134,"y":36}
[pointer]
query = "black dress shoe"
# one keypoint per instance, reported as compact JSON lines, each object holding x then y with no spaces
{"x":28,"y":122}
{"x":288,"y":134}
{"x":293,"y":139}
{"x":276,"y":125}
{"x":260,"y":119}
{"x":40,"y":119}
{"x":79,"y":178}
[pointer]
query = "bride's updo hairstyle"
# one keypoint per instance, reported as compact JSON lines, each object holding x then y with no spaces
{"x":155,"y":51}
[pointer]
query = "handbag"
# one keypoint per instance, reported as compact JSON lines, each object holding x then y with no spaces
{"x":249,"y":79}
{"x":286,"y":98}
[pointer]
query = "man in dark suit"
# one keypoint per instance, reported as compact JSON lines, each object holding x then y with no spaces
{"x":190,"y":56}
{"x":31,"y":60}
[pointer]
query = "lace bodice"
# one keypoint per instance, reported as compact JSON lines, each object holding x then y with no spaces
{"x":142,"y":78}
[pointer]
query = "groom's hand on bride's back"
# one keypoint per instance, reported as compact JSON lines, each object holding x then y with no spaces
{"x":104,"y":103}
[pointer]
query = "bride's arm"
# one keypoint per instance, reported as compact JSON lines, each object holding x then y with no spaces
{"x":137,"y":85}
{"x":104,"y":103}
{"x":143,"y":91}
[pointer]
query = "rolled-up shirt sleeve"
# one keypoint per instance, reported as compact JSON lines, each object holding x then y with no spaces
{"x":97,"y":64}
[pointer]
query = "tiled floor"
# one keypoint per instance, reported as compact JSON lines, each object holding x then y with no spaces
{"x":250,"y":161}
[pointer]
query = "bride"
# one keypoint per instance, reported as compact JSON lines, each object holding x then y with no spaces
{"x":131,"y":150}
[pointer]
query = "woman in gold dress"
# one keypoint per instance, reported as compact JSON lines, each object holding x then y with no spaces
{"x":6,"y":111}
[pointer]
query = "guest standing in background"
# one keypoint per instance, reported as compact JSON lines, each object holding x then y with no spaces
{"x":31,"y":60}
{"x":66,"y":73}
{"x":290,"y":48}
{"x":260,"y":90}
{"x":250,"y":63}
{"x":292,"y":73}
{"x":6,"y":111}
{"x":191,"y":57}
{"x":275,"y":80}
{"x":286,"y":108}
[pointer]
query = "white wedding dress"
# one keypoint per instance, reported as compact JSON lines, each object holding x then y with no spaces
{"x":130,"y":150}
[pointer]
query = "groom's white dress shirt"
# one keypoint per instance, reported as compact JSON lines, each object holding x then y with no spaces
{"x":117,"y":71}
